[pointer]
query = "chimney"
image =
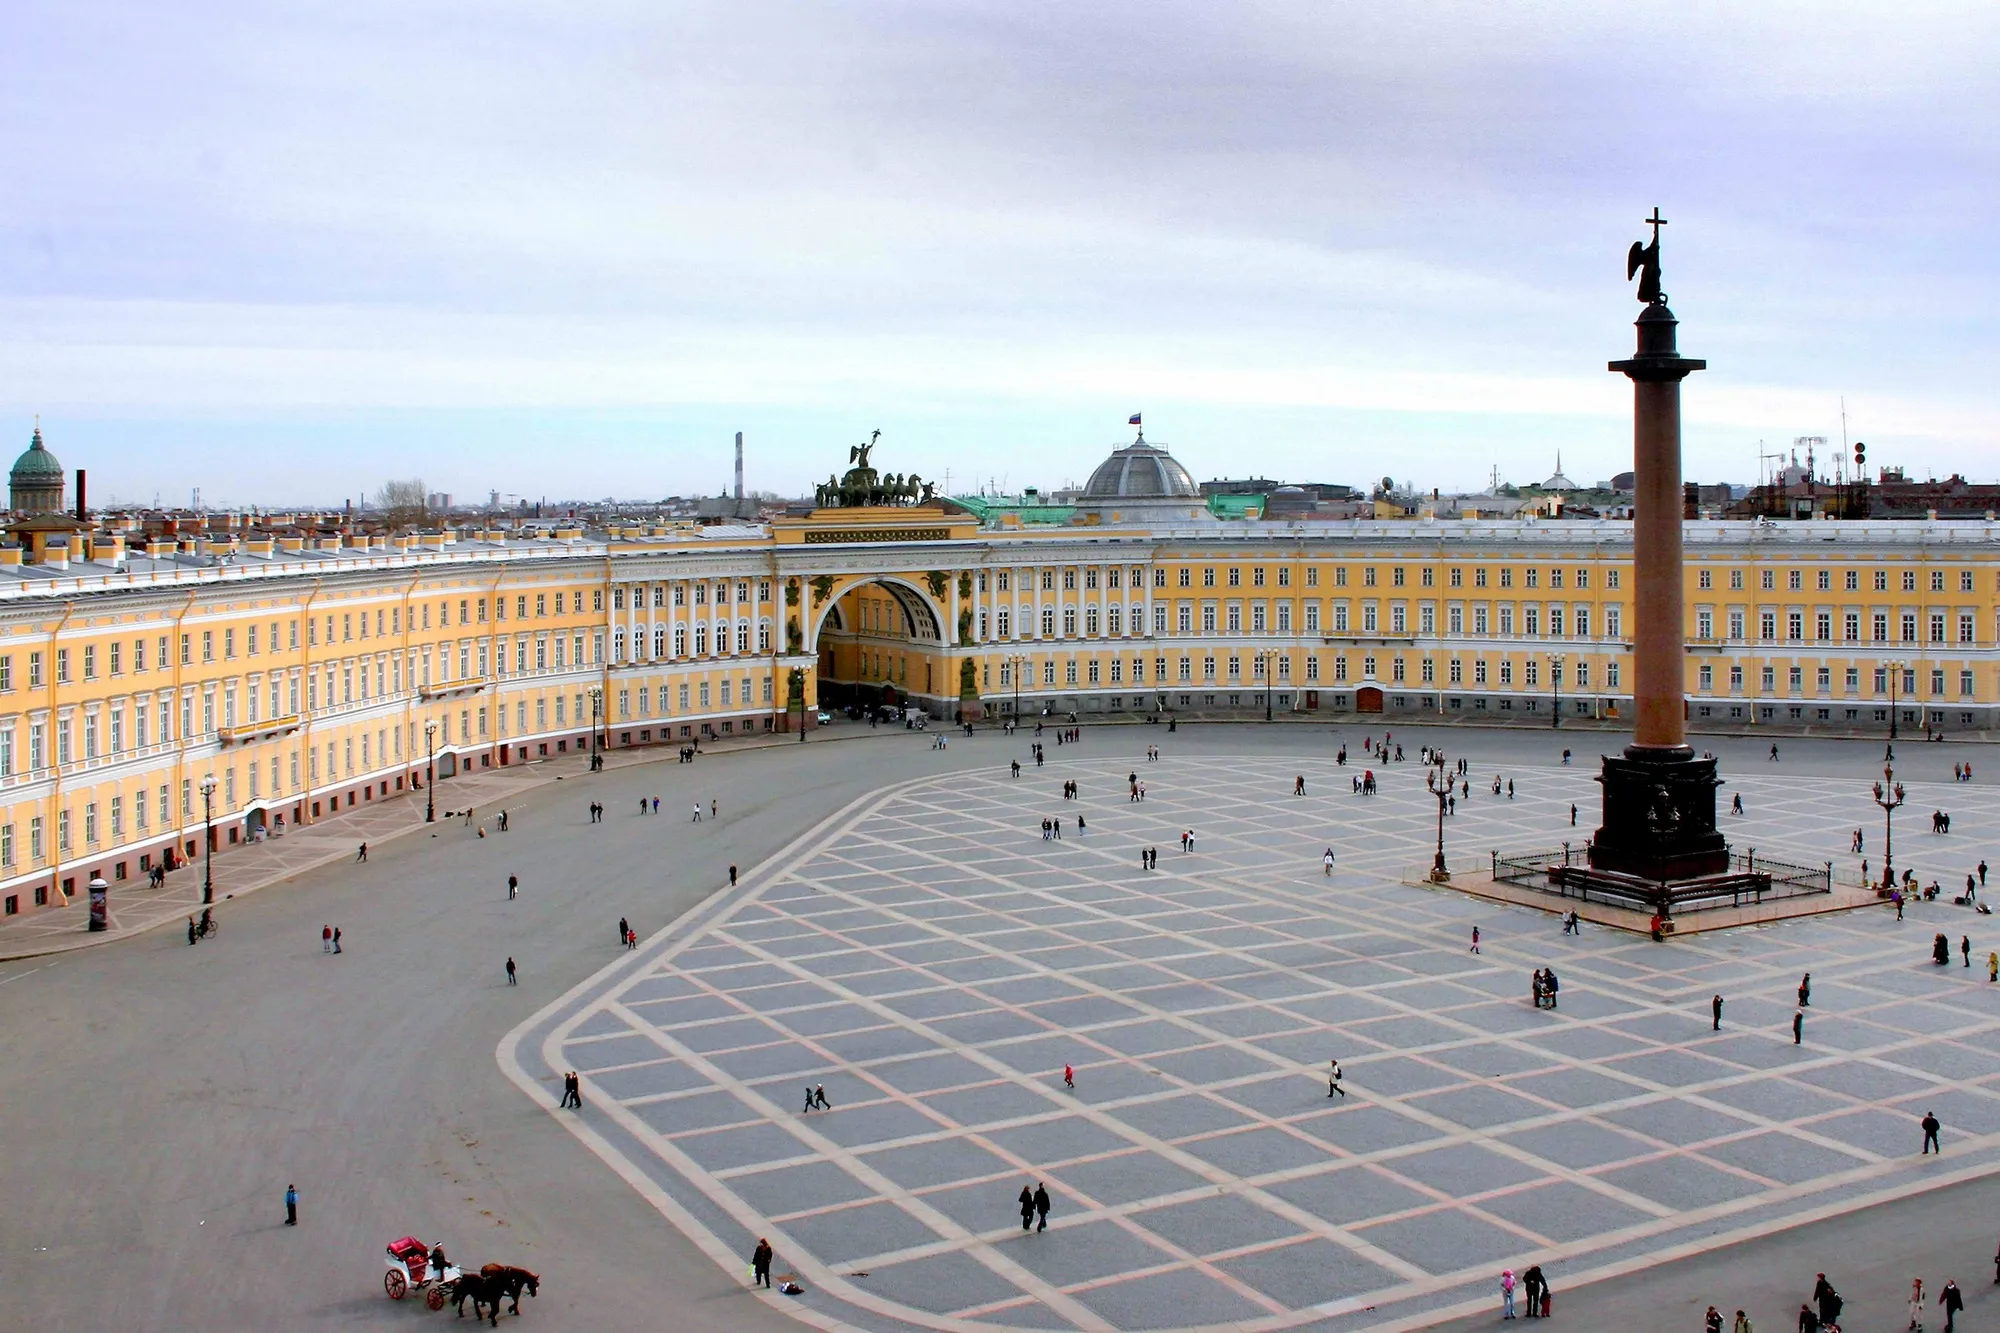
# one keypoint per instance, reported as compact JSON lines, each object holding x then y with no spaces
{"x":82,"y":509}
{"x":739,"y":469}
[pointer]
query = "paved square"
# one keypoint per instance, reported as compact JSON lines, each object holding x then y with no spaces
{"x":934,"y":961}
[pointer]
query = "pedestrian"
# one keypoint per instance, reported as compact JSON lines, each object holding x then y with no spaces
{"x":656,"y":805}
{"x":1982,"y":872}
{"x":1805,"y":991}
{"x":1080,"y":826}
{"x":1952,"y":1303}
{"x":1798,"y":1027}
{"x":1333,"y":1087}
{"x":1829,"y":1301}
{"x":1808,"y":1321}
{"x":512,"y":980}
{"x":1931,"y":1127}
{"x":1916,"y":1304}
{"x":1742,"y":1324}
{"x":362,"y":855}
{"x":1993,"y":966}
{"x":1506,"y":1293}
{"x":1736,"y":804}
{"x":1326,"y":863}
{"x":697,"y":813}
{"x":819,"y":1095}
{"x":1572,"y":810}
{"x":714,"y":808}
{"x":760,"y":1263}
{"x":809,"y":1099}
{"x":1712,"y":1321}
{"x":1535,"y":1286}
{"x":1041,"y":1207}
{"x":1510,"y":789}
{"x":291,"y":1205}
{"x":513,"y":887}
{"x":1027,"y":1208}
{"x":732,"y":877}
{"x":575,"y":1090}
{"x":503,"y":821}
{"x":1475,"y":939}
{"x":1715,"y":1009}
{"x":1069,"y":1076}
{"x":631,"y":939}
{"x":336,"y":939}
{"x":326,"y":939}
{"x":1965,"y":947}
{"x":1774,"y":754}
{"x":192,"y":935}
{"x":1571,"y":924}
{"x":1299,"y":785}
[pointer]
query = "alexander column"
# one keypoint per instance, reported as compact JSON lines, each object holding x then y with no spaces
{"x":1659,"y":800}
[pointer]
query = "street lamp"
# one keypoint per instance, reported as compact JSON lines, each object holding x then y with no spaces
{"x":1440,"y":785}
{"x":208,"y":838}
{"x":796,"y":683}
{"x":1888,"y":795}
{"x":1265,"y":657}
{"x":430,"y":773}
{"x":1556,"y":683}
{"x":1018,"y":663}
{"x":1896,"y":669}
{"x":596,"y":712}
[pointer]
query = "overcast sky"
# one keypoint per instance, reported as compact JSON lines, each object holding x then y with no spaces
{"x":282,"y":251}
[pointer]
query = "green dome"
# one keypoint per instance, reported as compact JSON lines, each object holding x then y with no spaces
{"x":36,"y":464}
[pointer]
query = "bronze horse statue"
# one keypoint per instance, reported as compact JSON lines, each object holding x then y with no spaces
{"x":506,"y":1280}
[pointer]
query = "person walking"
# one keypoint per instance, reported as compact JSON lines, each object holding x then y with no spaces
{"x":1069,"y":1076}
{"x":760,"y":1263}
{"x":512,"y":979}
{"x":1742,"y":1324}
{"x":291,"y":1205}
{"x":1965,"y":947}
{"x":513,"y":887}
{"x":1828,"y":1300}
{"x":1333,"y":1087}
{"x":1712,"y":1321}
{"x":1993,"y":966}
{"x":1931,"y":1127}
{"x":326,"y":939}
{"x":1805,"y":991}
{"x":336,"y":939}
{"x":714,"y":808}
{"x":1041,"y":1207}
{"x":1572,"y":824}
{"x":1808,"y":1321}
{"x":1027,"y":1202}
{"x":1326,"y":863}
{"x":362,"y":854}
{"x":1982,"y":872}
{"x":1506,"y":1293}
{"x":1952,"y":1303}
{"x":1774,"y":754}
{"x":193,"y":934}
{"x":809,"y":1099}
{"x":624,"y":929}
{"x":697,"y":813}
{"x":1917,"y":1302}
{"x":1299,"y":785}
{"x":732,"y":876}
{"x":1798,"y":1027}
{"x":819,"y":1096}
{"x":1715,"y":1011}
{"x":1475,"y":939}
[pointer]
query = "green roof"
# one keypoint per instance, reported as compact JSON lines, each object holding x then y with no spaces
{"x":1026,"y":509}
{"x":36,"y":463}
{"x":1235,"y":506}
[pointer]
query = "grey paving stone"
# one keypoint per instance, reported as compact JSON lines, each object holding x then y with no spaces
{"x":729,"y":1035}
{"x":930,"y":1073}
{"x":1255,"y":1152}
{"x":1564,"y":1211}
{"x":1460,"y":1169}
{"x":1677,"y":1122}
{"x":984,"y":1106}
{"x":847,"y":1234}
{"x":1147,"y":1037}
{"x":1682,"y":1183}
{"x":1579,"y":1144}
{"x":785,"y":1058}
{"x":1082,"y":1251}
{"x":1222,"y":1222}
{"x":1776,"y":1099}
{"x":592,"y":1056}
{"x":747,"y":1145}
{"x":1781,"y":1157}
{"x":1060,"y":1140}
{"x":1352,"y":1194}
{"x":1885,"y":1133}
{"x":919,"y":1165}
{"x":1213,"y":1064}
{"x":641,"y":1080}
{"x":1444,"y":1241}
{"x":1367,"y":1129}
{"x":1960,"y":1110}
{"x":1397,"y":1075}
{"x":1309,"y":1273}
{"x":1671,"y":1069}
{"x":854,"y":1126}
{"x":703,"y":1110}
{"x":940,"y":1284}
{"x":1128,"y":1178}
{"x":1180,"y":1116}
{"x":1179,"y":1299}
{"x":827,"y":1019}
{"x":877,"y":1044}
{"x":793,"y":1189}
{"x":1479,"y":1107}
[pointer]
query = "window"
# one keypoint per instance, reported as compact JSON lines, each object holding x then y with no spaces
{"x":1257,"y":577}
{"x":1965,"y":580}
{"x":1909,"y":580}
{"x":1937,"y":580}
{"x":1793,"y":579}
{"x":1768,"y":579}
{"x":1705,"y":580}
{"x":1235,"y":577}
{"x":1707,"y":674}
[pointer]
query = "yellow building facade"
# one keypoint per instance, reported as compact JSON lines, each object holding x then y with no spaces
{"x":292,"y":677}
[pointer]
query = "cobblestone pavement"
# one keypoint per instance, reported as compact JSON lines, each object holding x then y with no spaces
{"x":934,"y":962}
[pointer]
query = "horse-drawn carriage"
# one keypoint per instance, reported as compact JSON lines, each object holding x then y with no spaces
{"x":411,"y":1268}
{"x":414,"y":1266}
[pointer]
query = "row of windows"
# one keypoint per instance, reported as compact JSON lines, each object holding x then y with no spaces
{"x":1118,"y":671}
{"x":1907,"y":624}
{"x":1795,"y":679}
{"x":1767,"y":580}
{"x":679,"y":594}
{"x":1533,"y":621}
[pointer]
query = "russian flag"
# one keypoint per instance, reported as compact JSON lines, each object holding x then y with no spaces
{"x":1134,"y":421}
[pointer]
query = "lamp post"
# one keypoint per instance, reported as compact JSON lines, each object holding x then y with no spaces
{"x":1556,"y":683}
{"x":795,"y":685}
{"x":1888,"y":795}
{"x":1896,"y":669}
{"x":208,"y":838}
{"x":1018,"y":663}
{"x":1265,"y":657}
{"x":596,"y":712}
{"x":430,"y":773}
{"x":1440,"y":786}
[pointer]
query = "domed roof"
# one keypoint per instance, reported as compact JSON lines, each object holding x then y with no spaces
{"x":1140,"y":471}
{"x":36,"y":464}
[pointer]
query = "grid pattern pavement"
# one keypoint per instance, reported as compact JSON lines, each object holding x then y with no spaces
{"x":934,"y":963}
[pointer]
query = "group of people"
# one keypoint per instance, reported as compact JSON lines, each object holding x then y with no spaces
{"x":329,"y":939}
{"x":1546,"y":987}
{"x":1533,"y":1286}
{"x":1961,"y":772}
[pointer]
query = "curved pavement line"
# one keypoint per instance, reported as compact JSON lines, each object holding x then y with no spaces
{"x":1339,"y":1312}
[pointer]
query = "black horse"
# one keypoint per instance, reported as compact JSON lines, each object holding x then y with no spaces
{"x":481,"y":1291}
{"x":506,"y":1280}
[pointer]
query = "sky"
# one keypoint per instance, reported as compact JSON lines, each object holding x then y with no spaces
{"x":285,"y":251}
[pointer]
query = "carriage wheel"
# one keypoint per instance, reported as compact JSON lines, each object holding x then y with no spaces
{"x":435,"y":1298}
{"x":395,"y":1284}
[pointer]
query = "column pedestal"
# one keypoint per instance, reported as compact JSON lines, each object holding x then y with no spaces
{"x":1659,"y":816}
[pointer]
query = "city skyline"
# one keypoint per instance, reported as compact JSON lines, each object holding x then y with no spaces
{"x":283,"y":259}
